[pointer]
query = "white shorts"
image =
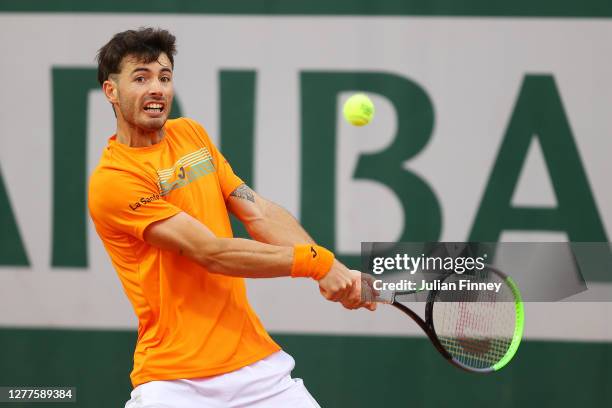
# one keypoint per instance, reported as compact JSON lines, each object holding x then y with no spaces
{"x":266,"y":383}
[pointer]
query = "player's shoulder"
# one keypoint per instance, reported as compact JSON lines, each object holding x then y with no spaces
{"x":115,"y":172}
{"x":183,"y":123}
{"x":104,"y":173}
{"x":189,"y":126}
{"x":104,"y":183}
{"x":112,"y":187}
{"x":105,"y":180}
{"x":111,"y":165}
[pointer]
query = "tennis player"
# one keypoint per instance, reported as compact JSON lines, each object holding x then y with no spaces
{"x":160,"y":199}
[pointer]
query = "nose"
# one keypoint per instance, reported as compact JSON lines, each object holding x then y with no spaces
{"x":156,"y":88}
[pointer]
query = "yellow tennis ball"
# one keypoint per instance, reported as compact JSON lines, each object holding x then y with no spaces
{"x":358,"y":110}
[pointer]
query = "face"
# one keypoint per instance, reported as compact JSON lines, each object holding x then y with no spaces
{"x":142,"y":93}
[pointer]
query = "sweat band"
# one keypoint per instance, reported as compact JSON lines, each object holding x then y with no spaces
{"x":311,"y":261}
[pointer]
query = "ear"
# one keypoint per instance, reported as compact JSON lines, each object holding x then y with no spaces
{"x":110,"y":90}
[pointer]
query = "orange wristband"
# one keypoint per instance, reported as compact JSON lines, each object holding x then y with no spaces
{"x":311,"y":261}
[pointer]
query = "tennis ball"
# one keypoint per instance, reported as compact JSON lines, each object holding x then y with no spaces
{"x":358,"y":110}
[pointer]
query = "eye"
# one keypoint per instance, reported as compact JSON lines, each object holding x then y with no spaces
{"x":165,"y":79}
{"x":140,"y":79}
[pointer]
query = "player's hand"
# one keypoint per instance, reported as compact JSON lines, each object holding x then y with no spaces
{"x":344,"y":285}
{"x":362,"y":292}
{"x":337,"y":285}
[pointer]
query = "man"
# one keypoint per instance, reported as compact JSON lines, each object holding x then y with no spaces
{"x":159,"y":199}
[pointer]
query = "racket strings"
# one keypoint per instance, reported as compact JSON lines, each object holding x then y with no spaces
{"x":475,"y":327}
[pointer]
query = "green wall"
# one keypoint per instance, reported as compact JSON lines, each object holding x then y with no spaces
{"x":340,"y":371}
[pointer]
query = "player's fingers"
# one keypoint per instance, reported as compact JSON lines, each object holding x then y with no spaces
{"x":324,"y":293}
{"x":368,"y":282}
{"x":339,"y":291}
{"x":344,"y":294}
{"x":353,"y":296}
{"x":366,"y":305}
{"x":334,"y":295}
{"x":350,"y":307}
{"x":367,"y":278}
{"x":330,"y":295}
{"x":368,"y":291}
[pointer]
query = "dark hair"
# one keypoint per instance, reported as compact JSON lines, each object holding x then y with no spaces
{"x":145,"y":43}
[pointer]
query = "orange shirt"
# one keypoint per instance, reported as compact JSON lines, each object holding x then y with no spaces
{"x":192,"y":323}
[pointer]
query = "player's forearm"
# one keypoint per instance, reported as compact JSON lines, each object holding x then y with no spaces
{"x":278,"y":227}
{"x":244,"y":258}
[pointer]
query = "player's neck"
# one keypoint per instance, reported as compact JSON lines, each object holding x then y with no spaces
{"x":133,"y":136}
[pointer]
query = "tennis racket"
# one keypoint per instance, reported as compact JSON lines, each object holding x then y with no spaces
{"x":477,"y":331}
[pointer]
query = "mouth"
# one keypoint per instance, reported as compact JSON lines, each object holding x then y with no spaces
{"x":154,"y":108}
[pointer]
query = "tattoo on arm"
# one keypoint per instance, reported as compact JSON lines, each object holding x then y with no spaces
{"x":243,"y":191}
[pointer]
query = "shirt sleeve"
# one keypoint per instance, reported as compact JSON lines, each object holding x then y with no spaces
{"x":228,"y":180}
{"x":120,"y":201}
